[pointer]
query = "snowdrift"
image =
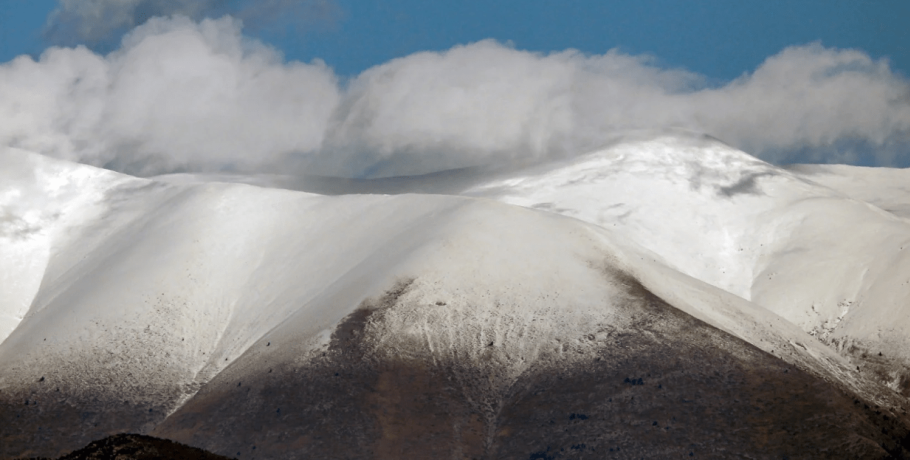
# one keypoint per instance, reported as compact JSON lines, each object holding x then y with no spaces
{"x":664,"y":296}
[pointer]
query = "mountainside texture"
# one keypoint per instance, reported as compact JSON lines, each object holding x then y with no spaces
{"x":664,"y":297}
{"x":653,"y":382}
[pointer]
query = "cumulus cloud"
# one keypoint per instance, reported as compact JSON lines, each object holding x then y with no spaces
{"x":178,"y":95}
{"x":808,"y":97}
{"x":181,"y":95}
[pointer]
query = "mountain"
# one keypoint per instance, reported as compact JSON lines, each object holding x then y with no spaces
{"x":821,"y":246}
{"x":666,"y":295}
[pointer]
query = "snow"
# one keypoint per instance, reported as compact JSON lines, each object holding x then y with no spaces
{"x":886,"y":188}
{"x":150,"y":289}
{"x":817,"y":256}
{"x":41,"y":202}
{"x":200,"y":273}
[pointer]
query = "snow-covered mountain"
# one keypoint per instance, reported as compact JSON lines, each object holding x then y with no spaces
{"x":821,"y":246}
{"x":666,"y":295}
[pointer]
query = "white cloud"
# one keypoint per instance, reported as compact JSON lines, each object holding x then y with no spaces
{"x":473,"y":102}
{"x":805,"y":97}
{"x":461,"y":106}
{"x":185,"y":95}
{"x":177,"y":95}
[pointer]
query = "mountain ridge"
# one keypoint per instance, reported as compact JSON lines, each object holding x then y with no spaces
{"x":165,"y":305}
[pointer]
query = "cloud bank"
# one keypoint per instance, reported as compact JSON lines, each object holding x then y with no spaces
{"x":185,"y":95}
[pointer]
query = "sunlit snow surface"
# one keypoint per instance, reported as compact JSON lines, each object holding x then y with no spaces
{"x":811,"y":244}
{"x":136,"y":304}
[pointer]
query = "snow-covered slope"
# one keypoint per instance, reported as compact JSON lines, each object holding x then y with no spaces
{"x":886,"y":188}
{"x":42,"y":202}
{"x":823,"y":259}
{"x":627,"y":292}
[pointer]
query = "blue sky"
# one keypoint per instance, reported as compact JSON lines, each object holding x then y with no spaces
{"x":709,"y":37}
